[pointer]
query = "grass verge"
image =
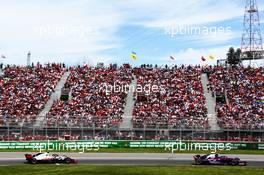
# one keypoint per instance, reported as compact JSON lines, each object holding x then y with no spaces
{"x":126,"y":170}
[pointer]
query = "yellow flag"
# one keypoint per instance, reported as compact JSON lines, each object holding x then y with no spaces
{"x":211,"y":57}
{"x":133,"y":56}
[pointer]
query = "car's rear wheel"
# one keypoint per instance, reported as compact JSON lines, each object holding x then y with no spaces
{"x":33,"y":161}
{"x":199,"y":161}
{"x":67,"y":160}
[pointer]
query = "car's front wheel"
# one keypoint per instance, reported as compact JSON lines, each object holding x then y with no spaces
{"x":235,"y":162}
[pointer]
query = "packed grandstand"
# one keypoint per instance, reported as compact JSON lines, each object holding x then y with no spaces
{"x":179,"y":111}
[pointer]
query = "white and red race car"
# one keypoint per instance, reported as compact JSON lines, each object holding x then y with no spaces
{"x":48,"y":158}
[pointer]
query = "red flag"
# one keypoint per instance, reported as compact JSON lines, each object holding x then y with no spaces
{"x":1,"y":82}
{"x":203,"y":59}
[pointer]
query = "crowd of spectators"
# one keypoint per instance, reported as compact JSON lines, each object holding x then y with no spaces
{"x":25,"y":91}
{"x":243,"y":89}
{"x":94,"y":101}
{"x":98,"y":96}
{"x":178,"y":103}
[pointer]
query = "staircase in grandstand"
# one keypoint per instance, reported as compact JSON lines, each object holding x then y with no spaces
{"x":210,"y":104}
{"x":54,"y":96}
{"x":128,"y":111}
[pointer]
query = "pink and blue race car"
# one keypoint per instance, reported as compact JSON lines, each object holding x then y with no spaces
{"x":216,"y":159}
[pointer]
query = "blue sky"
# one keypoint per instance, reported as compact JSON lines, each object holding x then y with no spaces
{"x":91,"y":31}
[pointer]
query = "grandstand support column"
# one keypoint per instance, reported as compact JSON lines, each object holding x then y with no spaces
{"x":70,"y":95}
{"x":210,"y":105}
{"x":227,"y":101}
{"x":128,"y":111}
{"x":54,"y":96}
{"x":1,"y":72}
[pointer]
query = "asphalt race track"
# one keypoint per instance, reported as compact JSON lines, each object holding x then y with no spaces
{"x":15,"y":158}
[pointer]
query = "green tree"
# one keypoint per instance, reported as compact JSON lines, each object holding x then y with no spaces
{"x":233,"y":57}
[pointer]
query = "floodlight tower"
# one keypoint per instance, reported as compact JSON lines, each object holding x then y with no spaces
{"x":251,"y":44}
{"x":28,"y":58}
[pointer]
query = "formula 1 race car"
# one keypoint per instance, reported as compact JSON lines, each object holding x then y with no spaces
{"x":48,"y":158}
{"x":216,"y":159}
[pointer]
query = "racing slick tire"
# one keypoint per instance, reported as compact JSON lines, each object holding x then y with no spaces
{"x":199,"y":161}
{"x":67,"y":160}
{"x":235,"y":162}
{"x":33,"y":161}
